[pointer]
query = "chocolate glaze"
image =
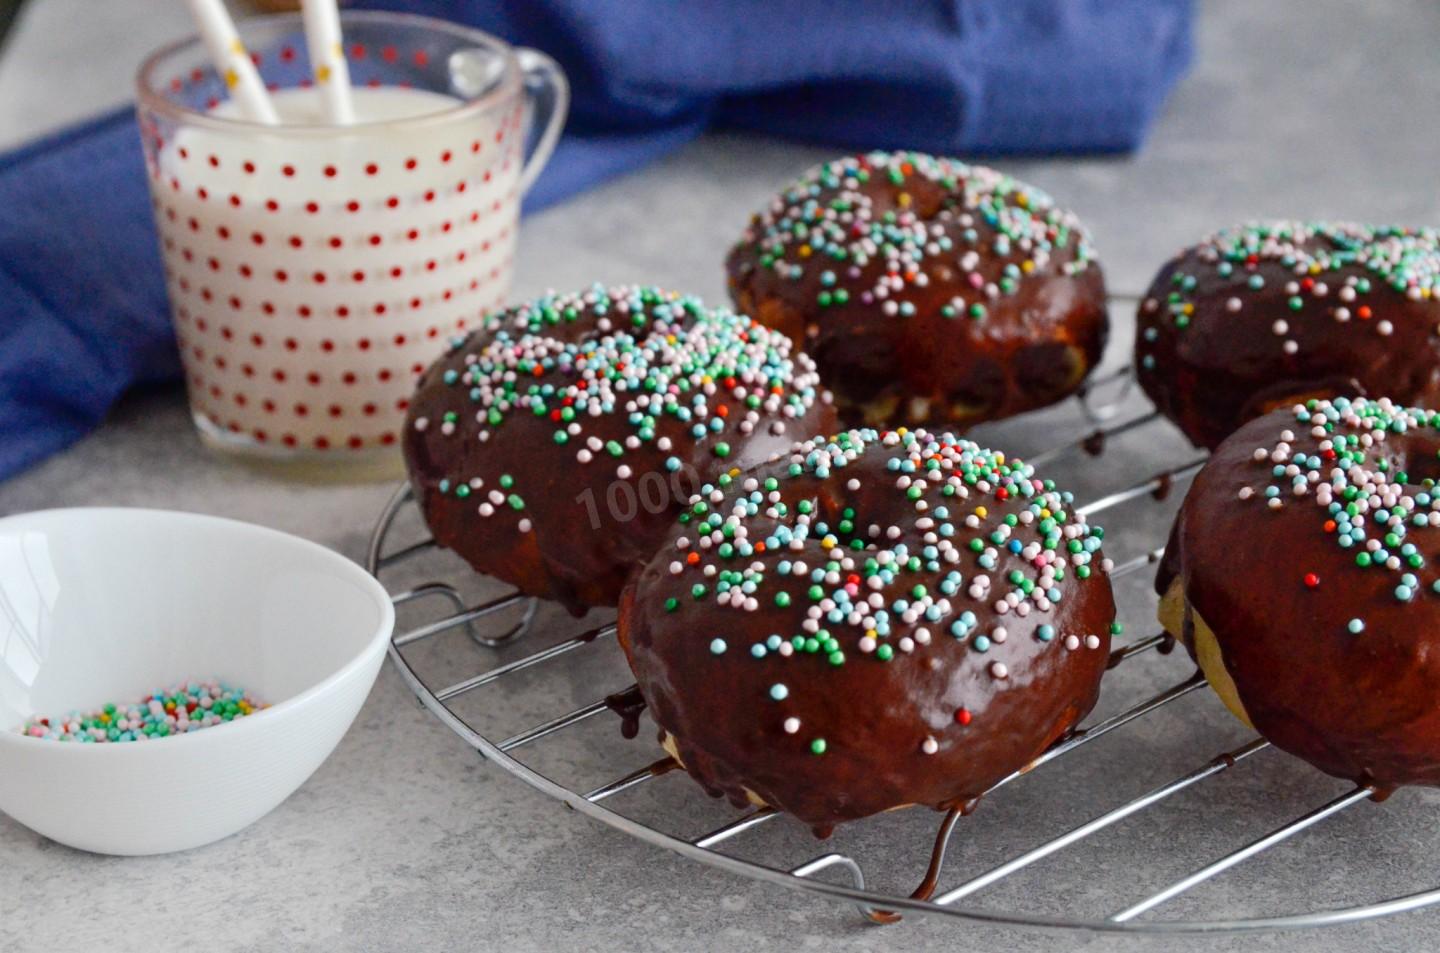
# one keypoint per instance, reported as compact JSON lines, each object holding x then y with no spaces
{"x":1034,"y":346}
{"x":1226,"y":367}
{"x":629,"y":705}
{"x":1358,"y":706}
{"x":572,"y":553}
{"x":926,"y":890}
{"x":875,"y":715}
{"x":1163,"y":485}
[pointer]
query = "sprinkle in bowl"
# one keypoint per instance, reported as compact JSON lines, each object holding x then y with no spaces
{"x":107,"y":605}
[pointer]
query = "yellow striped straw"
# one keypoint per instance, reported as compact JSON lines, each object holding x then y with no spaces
{"x":232,"y":61}
{"x":327,"y":59}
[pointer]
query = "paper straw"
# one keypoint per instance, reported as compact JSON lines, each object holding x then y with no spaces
{"x":232,"y":61}
{"x":327,"y":59}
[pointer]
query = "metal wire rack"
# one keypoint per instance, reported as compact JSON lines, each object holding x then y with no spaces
{"x":1101,"y":406}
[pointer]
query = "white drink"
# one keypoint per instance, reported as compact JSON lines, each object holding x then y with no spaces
{"x":315,"y":272}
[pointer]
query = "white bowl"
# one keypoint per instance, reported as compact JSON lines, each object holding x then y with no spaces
{"x":102,"y":605}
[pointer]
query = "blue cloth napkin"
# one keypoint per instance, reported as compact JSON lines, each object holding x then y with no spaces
{"x":83,"y":315}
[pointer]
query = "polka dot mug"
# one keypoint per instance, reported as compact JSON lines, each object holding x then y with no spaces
{"x":315,"y":270}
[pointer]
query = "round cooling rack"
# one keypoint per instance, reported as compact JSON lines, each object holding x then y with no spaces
{"x":443,"y":693}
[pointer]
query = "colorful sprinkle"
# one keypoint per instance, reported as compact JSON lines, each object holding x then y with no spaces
{"x":178,"y":710}
{"x":880,"y":254}
{"x":974,"y":535}
{"x":1403,"y":263}
{"x":645,"y":356}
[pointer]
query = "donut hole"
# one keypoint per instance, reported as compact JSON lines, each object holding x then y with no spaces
{"x":1282,"y":395}
{"x":980,"y":392}
{"x":860,"y":365}
{"x":1050,"y":368}
{"x":1419,"y":460}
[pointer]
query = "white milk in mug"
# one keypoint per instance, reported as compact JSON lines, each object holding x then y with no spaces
{"x":315,"y":270}
{"x":312,"y":280}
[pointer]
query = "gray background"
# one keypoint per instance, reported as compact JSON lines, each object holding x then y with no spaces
{"x":406,"y":840}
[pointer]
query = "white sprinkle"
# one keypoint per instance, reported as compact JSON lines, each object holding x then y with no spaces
{"x":929,"y":745}
{"x":999,"y":670}
{"x":792,"y":725}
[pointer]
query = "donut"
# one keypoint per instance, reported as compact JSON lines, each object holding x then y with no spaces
{"x":927,"y":290}
{"x":1298,"y":575}
{"x":871,"y":621}
{"x":1265,"y":315}
{"x":554,"y":445}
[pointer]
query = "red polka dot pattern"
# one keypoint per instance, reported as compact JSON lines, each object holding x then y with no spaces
{"x":311,"y":282}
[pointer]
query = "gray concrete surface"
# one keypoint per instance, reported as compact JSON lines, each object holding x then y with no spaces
{"x":405,"y":840}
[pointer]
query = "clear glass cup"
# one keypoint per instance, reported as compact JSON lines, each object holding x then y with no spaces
{"x":315,"y":270}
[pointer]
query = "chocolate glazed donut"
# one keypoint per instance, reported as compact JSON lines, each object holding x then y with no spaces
{"x":927,"y":290}
{"x":554,"y":446}
{"x":1299,"y":574}
{"x":876,"y":620}
{"x":1267,"y":315}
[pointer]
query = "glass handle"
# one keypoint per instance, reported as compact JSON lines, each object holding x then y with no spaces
{"x":549,"y":94}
